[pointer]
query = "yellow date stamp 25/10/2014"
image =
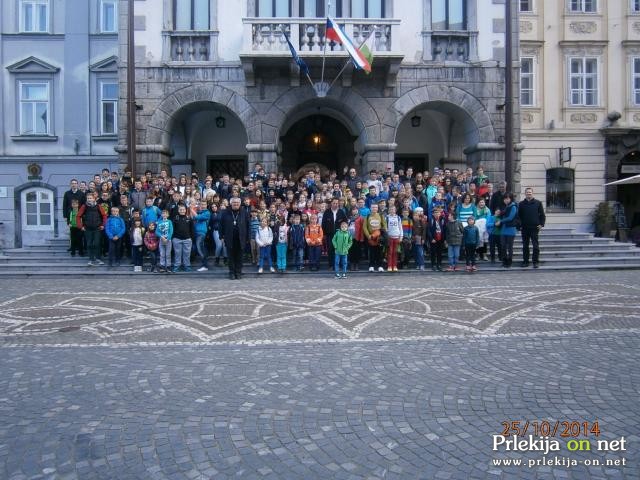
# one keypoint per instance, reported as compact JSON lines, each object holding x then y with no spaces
{"x":547,"y":428}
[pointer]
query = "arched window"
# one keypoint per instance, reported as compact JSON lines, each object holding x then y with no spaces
{"x":561,"y":185}
{"x":37,"y":209}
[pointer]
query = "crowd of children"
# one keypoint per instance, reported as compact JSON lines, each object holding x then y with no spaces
{"x":388,"y":220}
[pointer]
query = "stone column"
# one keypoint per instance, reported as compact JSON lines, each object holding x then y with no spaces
{"x":491,"y":157}
{"x":148,"y":157}
{"x":378,"y":156}
{"x":264,"y":153}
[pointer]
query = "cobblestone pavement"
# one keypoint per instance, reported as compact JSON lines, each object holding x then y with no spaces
{"x":93,"y":384}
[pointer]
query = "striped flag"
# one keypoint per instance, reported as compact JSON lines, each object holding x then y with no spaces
{"x":366,"y":49}
{"x":335,"y":33}
{"x":303,"y":66}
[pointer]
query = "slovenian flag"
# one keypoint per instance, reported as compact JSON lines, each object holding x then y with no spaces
{"x":303,"y":66}
{"x":335,"y":33}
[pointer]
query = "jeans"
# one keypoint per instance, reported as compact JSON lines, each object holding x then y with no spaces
{"x":507,"y":249}
{"x":220,"y":248}
{"x":454,"y":253}
{"x":314,"y":255}
{"x":76,"y":240}
{"x":94,"y":239}
{"x":530,"y":234}
{"x":254,"y":250}
{"x":375,"y":256}
{"x":114,"y":251}
{"x":281,"y":253}
{"x":165,"y":254}
{"x":436,"y":253}
{"x":470,"y":252}
{"x":355,"y":253}
{"x":201,"y":249}
{"x":153,"y":257}
{"x":494,"y":243}
{"x":340,"y":258}
{"x":392,"y":252}
{"x":265,"y":256}
{"x":136,"y":255}
{"x":418,"y":254}
{"x":182,"y":252}
{"x":298,"y":257}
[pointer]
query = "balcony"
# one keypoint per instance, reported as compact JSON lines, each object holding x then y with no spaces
{"x":265,"y":43}
{"x":192,"y":47}
{"x":450,"y":46}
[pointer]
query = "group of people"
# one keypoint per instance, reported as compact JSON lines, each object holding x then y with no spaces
{"x":390,"y":220}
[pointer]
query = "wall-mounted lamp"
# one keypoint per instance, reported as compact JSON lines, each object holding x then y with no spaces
{"x":221,"y":122}
{"x":415,"y":121}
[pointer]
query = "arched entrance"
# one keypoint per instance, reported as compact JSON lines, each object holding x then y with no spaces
{"x":435,"y":134}
{"x":207,"y":137}
{"x":317,"y":139}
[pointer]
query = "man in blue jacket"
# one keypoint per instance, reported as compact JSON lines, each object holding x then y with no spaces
{"x":115,"y":230}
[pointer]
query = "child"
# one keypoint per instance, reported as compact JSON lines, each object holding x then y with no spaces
{"x":75,"y":228}
{"x":471,"y":241}
{"x":164,"y":232}
{"x":355,"y":230}
{"x":373,"y":227}
{"x":93,"y":219}
{"x":150,"y":213}
{"x":342,"y":242}
{"x":137,"y":241}
{"x":254,"y":225}
{"x":394,"y":232}
{"x":282,"y":232}
{"x":419,"y":233}
{"x":313,"y":235}
{"x":436,"y":235}
{"x":264,"y":239}
{"x":200,"y":225}
{"x":454,"y":232}
{"x":296,"y":242}
{"x":151,"y":243}
{"x":407,"y":239}
{"x":115,"y":230}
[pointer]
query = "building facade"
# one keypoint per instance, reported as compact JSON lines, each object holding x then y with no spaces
{"x":580,"y":101}
{"x":218,"y":91}
{"x":58,"y":109}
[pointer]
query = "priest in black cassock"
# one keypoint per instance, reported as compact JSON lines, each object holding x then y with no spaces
{"x":234,"y":232}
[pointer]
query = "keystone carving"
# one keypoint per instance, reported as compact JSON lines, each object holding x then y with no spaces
{"x":584,"y":118}
{"x":583,"y":27}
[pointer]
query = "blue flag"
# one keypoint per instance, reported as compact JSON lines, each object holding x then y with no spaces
{"x":299,"y":61}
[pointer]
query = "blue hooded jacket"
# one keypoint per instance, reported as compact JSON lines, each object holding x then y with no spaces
{"x":115,"y":227}
{"x":201,"y":221}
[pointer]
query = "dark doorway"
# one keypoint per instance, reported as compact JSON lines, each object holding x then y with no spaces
{"x":235,"y":166}
{"x":627,"y":195}
{"x":419,"y":163}
{"x":317,"y":139}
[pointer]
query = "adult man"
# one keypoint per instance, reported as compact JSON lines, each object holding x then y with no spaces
{"x":352,"y":179}
{"x":234,"y":232}
{"x":138,"y":196}
{"x":72,"y":194}
{"x":497,"y":198}
{"x":330,"y":223}
{"x":532,"y":219}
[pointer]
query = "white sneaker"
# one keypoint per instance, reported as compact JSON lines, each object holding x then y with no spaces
{"x":389,"y":269}
{"x":99,"y":262}
{"x":260,"y":270}
{"x":272,"y":269}
{"x":380,"y":269}
{"x":203,"y":269}
{"x":137,"y":269}
{"x":371,"y":269}
{"x":90,"y":263}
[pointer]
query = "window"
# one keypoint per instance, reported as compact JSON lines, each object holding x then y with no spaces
{"x":583,"y":6}
{"x":526,"y":5}
{"x":560,"y":190}
{"x":37,"y":209}
{"x":34,"y":108}
{"x":635,"y":81}
{"x":584,"y":81}
{"x":191,"y":14}
{"x":273,"y":8}
{"x":448,"y":15}
{"x":35,"y":16}
{"x":320,"y":8}
{"x":108,"y":16}
{"x":527,"y":85}
{"x":635,"y":6}
{"x":108,"y":108}
{"x":367,"y":8}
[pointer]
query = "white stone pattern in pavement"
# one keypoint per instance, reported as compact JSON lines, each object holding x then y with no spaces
{"x":313,"y":315}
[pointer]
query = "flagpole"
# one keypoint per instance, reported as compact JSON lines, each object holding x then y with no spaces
{"x":349,"y":59}
{"x":324,"y":51}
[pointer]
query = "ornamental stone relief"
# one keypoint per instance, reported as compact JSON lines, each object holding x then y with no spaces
{"x":636,"y":27}
{"x":636,"y":117}
{"x":526,"y":27}
{"x":527,"y":118}
{"x":583,"y":27}
{"x":584,"y":118}
{"x":582,"y":51}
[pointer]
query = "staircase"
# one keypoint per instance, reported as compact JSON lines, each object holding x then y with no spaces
{"x":561,"y":249}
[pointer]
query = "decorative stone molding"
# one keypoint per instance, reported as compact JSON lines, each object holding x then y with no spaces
{"x":529,"y":52}
{"x":527,"y":117}
{"x":583,"y":27}
{"x":526,"y":27}
{"x":636,"y":27}
{"x":584,"y":118}
{"x":583,"y":51}
{"x":636,"y":117}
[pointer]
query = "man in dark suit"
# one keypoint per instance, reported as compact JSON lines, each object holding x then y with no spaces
{"x":234,"y":232}
{"x":331,"y":220}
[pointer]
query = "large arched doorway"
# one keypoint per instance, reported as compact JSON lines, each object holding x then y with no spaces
{"x":435,"y":134}
{"x":206,"y":137}
{"x":317,"y":139}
